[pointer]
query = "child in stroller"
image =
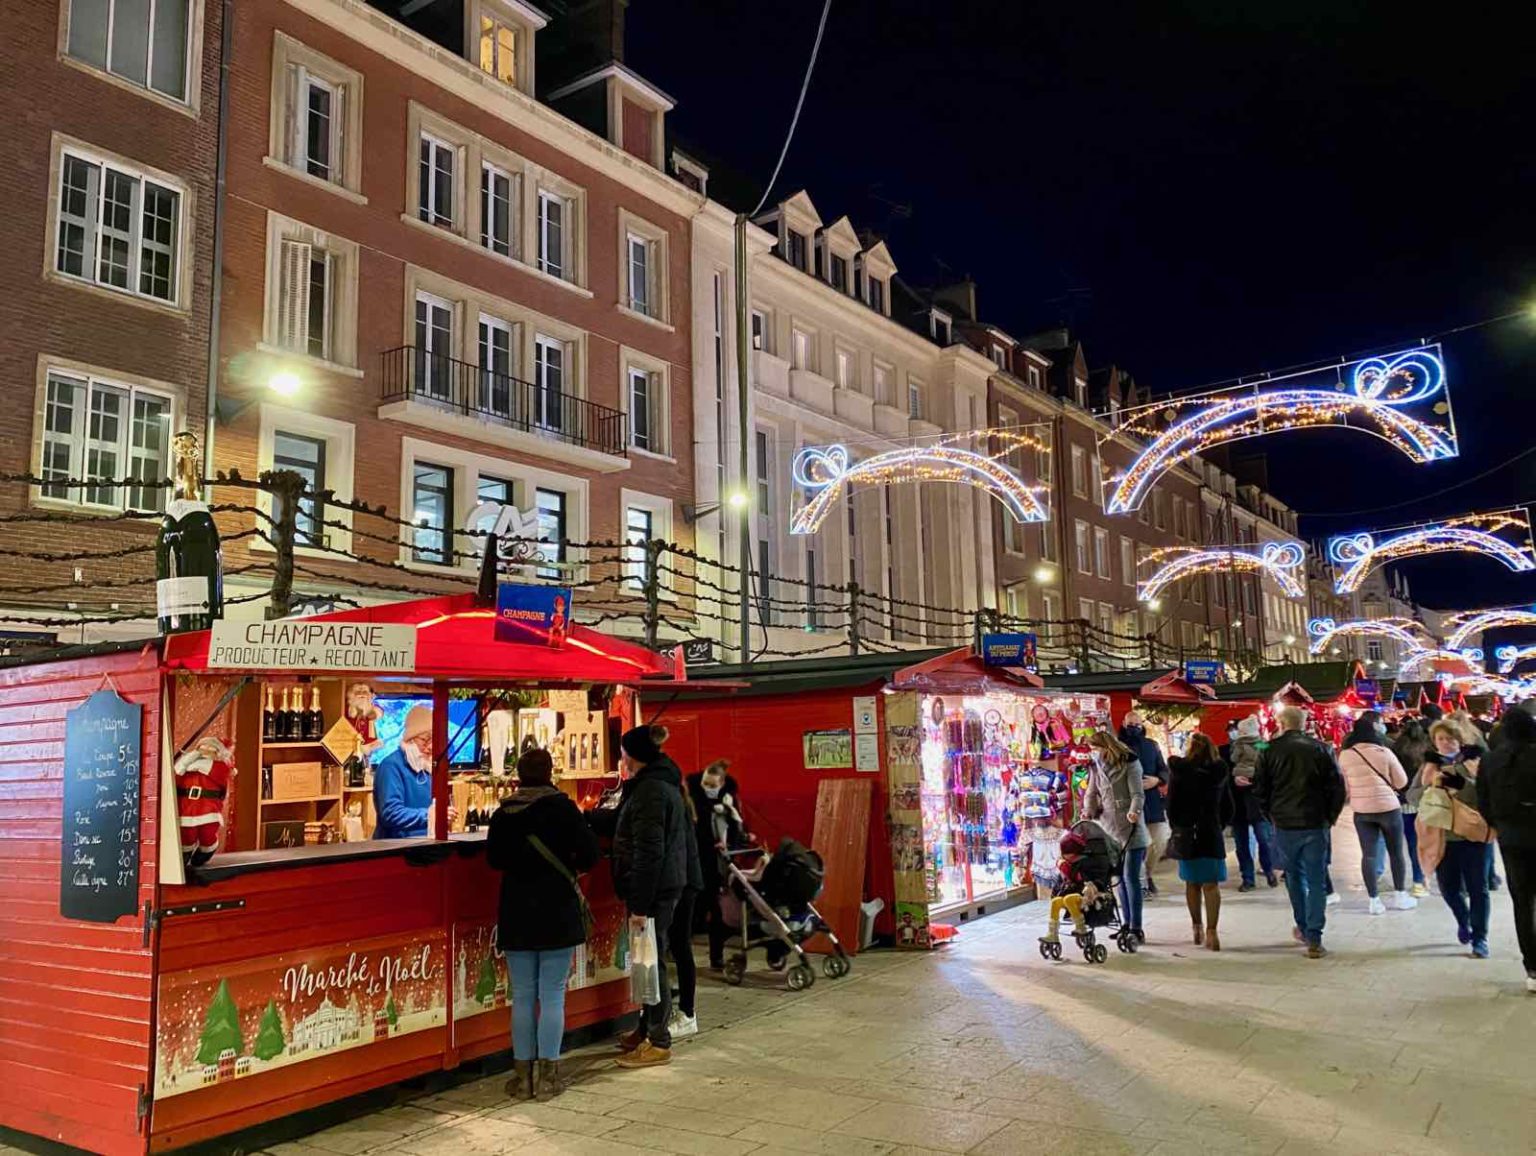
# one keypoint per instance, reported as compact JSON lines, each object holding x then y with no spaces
{"x":771,"y":901}
{"x":1090,"y":863}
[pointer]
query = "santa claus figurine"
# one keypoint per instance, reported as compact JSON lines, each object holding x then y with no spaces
{"x":204,"y":775}
{"x":363,"y":713}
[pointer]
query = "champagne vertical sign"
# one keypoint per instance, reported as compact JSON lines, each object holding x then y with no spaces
{"x":103,"y":749}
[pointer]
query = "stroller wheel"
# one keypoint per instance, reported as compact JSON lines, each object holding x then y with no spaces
{"x":1098,"y":954}
{"x":800,"y":977}
{"x":836,"y":966}
{"x":735,"y":970}
{"x":1055,"y":951}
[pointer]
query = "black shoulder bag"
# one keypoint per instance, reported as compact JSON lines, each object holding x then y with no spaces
{"x":554,"y":861}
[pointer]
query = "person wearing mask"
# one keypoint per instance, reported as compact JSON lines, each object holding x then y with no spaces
{"x":1249,"y":826}
{"x":1199,"y":807}
{"x":402,"y":782}
{"x":1154,"y":782}
{"x":1463,"y":870}
{"x":716,"y":799}
{"x":1372,"y":779}
{"x":1116,"y":798}
{"x":1410,"y":747}
{"x":1506,"y":796}
{"x":1301,"y":792}
{"x":650,"y":871}
{"x":1474,"y":741}
{"x":540,"y":843}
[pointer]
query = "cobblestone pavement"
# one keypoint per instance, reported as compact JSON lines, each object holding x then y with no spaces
{"x":1399,"y":1042}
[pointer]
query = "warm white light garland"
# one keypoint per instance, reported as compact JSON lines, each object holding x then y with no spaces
{"x":1360,"y":554}
{"x":1324,"y":630}
{"x":1512,"y":656}
{"x":1282,"y":561}
{"x":1470,"y":623}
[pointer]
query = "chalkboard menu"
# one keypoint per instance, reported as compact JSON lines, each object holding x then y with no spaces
{"x":103,"y":746}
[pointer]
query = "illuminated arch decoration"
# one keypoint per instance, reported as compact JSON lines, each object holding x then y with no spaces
{"x":1470,"y":624}
{"x":1323,"y":632}
{"x":1282,"y":561}
{"x":1503,"y":534}
{"x":1424,"y":655}
{"x":1400,"y":398}
{"x":1512,"y":656}
{"x":825,"y":473}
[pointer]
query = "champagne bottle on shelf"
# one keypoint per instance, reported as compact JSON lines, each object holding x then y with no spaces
{"x":268,"y":719}
{"x":266,"y":782}
{"x":314,"y":717}
{"x":189,"y":563}
{"x":293,"y":714}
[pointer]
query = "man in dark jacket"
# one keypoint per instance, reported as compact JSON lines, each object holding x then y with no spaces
{"x":1506,"y":795}
{"x":650,"y":871}
{"x":1299,"y":789}
{"x":1154,"y":781}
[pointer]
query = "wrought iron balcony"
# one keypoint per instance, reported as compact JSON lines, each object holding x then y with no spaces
{"x":413,"y":374}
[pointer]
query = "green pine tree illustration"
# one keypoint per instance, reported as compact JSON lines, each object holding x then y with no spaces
{"x":485,"y":986}
{"x":391,"y":1012}
{"x":269,"y":1036}
{"x":221,"y":1027}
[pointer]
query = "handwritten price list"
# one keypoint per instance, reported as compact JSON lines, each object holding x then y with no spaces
{"x":103,"y":748}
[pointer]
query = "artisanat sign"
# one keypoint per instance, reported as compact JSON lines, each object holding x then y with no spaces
{"x":99,"y":874}
{"x":1367,"y":690}
{"x":1203,"y":671}
{"x":533,"y":614}
{"x":307,"y":645}
{"x":1010,"y":650}
{"x":245,"y":1018}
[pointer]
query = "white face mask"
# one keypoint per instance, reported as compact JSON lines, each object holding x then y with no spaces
{"x":420,"y":763}
{"x":712,"y":792}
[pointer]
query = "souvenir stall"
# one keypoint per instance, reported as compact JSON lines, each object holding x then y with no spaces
{"x":972,"y":770}
{"x":216,"y":909}
{"x":1173,"y":707}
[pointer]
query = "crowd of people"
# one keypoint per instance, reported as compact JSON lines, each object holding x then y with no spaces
{"x":1428,"y":794}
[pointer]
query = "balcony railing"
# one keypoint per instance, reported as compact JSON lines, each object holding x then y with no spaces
{"x":414,"y":374}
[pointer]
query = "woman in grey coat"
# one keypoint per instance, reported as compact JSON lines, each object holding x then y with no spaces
{"x":1116,"y":799}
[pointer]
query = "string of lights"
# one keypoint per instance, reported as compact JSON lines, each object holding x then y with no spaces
{"x":1324,"y":632}
{"x":1282,"y":561}
{"x":1361,"y":554}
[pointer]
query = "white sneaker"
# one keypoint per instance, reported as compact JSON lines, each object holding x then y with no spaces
{"x":1530,"y":984}
{"x":1402,"y":901}
{"x":680,"y":1025}
{"x":1334,"y":900}
{"x":1377,"y":907}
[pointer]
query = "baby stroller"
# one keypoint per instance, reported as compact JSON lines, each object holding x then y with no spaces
{"x":1100,"y":864}
{"x":770,"y":898}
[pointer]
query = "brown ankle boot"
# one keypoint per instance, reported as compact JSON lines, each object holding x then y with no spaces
{"x":548,"y":1081}
{"x":520,"y":1086}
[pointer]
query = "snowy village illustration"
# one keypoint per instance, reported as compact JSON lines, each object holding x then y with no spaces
{"x":269,"y":1013}
{"x":480,"y":971}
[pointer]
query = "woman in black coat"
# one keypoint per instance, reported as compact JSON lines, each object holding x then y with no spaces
{"x":540,"y":843}
{"x":1199,"y":806}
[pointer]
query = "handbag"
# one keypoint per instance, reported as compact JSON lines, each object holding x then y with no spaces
{"x":581,"y":900}
{"x":1435,"y":808}
{"x":1181,"y":844}
{"x":1468,"y":823}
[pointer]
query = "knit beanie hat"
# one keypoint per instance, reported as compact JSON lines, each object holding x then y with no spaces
{"x":640,"y":744}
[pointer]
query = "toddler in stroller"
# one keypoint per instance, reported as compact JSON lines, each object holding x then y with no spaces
{"x":1090,"y":863}
{"x":771,"y":901}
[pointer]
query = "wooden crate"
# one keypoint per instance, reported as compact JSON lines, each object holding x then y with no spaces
{"x":297,"y":781}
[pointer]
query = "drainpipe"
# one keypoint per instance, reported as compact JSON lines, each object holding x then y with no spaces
{"x":216,"y":293}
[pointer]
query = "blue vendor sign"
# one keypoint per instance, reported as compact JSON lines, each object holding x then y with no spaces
{"x":1010,"y":650}
{"x":540,"y":615}
{"x":1203,"y":671}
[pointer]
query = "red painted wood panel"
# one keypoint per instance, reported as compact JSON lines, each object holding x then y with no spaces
{"x":74,"y":997}
{"x":841,"y":838}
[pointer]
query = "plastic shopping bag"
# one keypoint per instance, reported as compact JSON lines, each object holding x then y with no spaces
{"x":645,"y":962}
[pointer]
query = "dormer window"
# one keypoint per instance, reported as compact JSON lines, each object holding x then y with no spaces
{"x":499,"y":38}
{"x":938,"y":327}
{"x":877,"y":294}
{"x":794,"y":249}
{"x":1080,"y":392}
{"x":999,"y":357}
{"x":838,"y":273}
{"x":1034,"y":377}
{"x":498,"y":49}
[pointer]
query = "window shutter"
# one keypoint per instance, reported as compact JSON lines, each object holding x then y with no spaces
{"x":339,"y":174}
{"x":293,"y":296}
{"x":298,"y":111}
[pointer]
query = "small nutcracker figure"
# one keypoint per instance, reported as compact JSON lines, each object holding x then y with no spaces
{"x":203,"y":778}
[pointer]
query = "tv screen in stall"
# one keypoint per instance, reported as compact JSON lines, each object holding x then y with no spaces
{"x":463,"y":726}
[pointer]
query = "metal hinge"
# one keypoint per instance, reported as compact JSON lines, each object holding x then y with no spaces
{"x":151,"y":921}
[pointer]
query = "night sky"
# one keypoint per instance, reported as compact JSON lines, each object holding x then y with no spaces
{"x":1203,"y":189}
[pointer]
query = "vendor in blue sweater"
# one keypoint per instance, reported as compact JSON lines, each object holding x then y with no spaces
{"x":402,"y":781}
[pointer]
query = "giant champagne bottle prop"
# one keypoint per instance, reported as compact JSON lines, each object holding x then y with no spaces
{"x":189,"y":565}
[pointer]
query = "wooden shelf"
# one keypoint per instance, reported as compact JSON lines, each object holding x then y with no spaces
{"x":357,"y":790}
{"x":305,"y":799}
{"x":292,"y":743}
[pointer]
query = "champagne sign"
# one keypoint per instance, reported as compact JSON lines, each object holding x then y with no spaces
{"x":307,"y":645}
{"x":103,"y":748}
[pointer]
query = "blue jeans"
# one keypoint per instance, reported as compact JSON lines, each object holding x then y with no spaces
{"x":1463,"y":877}
{"x":1244,"y":834}
{"x":1304,"y":854}
{"x":1132,"y":873}
{"x":538,"y":1001}
{"x":1411,"y":839}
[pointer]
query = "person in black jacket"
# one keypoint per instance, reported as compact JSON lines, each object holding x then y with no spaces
{"x":540,"y":843}
{"x":714,"y":794}
{"x":1507,"y":799}
{"x":684,"y":1021}
{"x":1199,"y":807}
{"x":650,"y":870}
{"x":1300,"y":790}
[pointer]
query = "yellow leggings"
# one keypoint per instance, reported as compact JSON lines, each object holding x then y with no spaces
{"x":1073,"y":906}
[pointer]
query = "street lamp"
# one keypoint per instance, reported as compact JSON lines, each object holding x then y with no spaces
{"x":284,"y":383}
{"x":735,"y":500}
{"x":1044,"y":574}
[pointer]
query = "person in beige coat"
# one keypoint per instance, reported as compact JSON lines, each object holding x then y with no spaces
{"x":1372,"y":778}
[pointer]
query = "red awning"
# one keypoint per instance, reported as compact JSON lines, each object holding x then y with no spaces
{"x":455,"y":642}
{"x":962,"y":672}
{"x":1173,"y":688}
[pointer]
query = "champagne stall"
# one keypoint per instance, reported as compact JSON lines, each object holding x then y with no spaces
{"x":243,"y":871}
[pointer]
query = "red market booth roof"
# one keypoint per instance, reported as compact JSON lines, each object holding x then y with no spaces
{"x":962,"y":672}
{"x":455,"y":640}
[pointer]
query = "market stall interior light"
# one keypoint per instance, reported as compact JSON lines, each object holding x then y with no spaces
{"x":1400,"y":398}
{"x":1282,"y":561}
{"x":1324,"y":631}
{"x":1504,"y":535}
{"x":824,"y":473}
